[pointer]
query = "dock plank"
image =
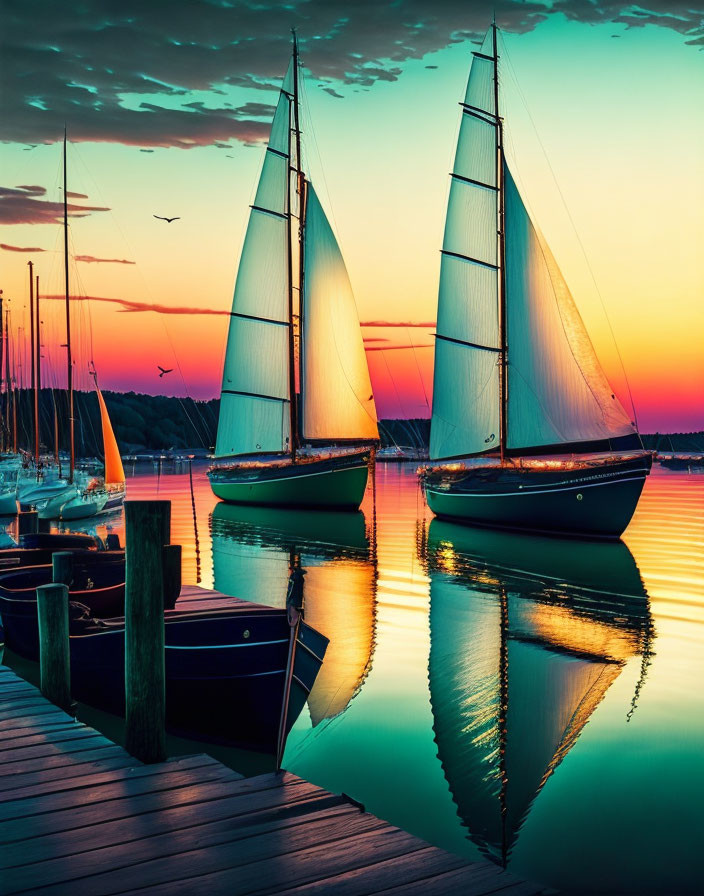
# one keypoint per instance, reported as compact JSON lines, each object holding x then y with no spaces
{"x":78,"y":814}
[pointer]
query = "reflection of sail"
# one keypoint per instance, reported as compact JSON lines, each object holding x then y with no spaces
{"x":252,"y":547}
{"x":527,"y":636}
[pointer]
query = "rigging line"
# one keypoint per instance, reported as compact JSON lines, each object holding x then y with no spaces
{"x":420,"y":374}
{"x":574,"y":229}
{"x":393,"y":381}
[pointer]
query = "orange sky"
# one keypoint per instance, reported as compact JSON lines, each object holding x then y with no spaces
{"x":633,"y":184}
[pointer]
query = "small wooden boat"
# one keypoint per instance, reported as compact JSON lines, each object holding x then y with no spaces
{"x":35,"y":549}
{"x":98,"y":585}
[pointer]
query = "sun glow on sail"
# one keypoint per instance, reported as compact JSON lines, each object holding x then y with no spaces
{"x":114,"y":472}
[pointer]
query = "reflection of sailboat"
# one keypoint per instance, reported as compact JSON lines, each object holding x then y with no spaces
{"x":515,"y":371}
{"x":252,"y":551}
{"x":527,"y":636}
{"x":295,"y":374}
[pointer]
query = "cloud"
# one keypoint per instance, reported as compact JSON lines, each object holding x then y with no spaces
{"x":21,"y":205}
{"x":395,"y":323}
{"x":90,"y":259}
{"x":91,"y":64}
{"x":392,"y":348}
{"x":130,"y":306}
{"x":20,"y":248}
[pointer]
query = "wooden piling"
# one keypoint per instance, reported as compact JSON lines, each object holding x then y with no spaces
{"x":147,"y":530}
{"x":62,"y":567}
{"x":27,"y":522}
{"x":171,"y":559}
{"x":54,"y":656}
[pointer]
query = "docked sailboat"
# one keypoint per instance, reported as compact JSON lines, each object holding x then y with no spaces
{"x":297,"y":415}
{"x":526,"y":431}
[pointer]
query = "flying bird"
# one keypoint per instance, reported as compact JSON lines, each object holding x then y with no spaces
{"x":168,"y":220}
{"x":163,"y":370}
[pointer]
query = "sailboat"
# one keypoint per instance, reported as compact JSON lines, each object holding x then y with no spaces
{"x":526,"y":431}
{"x":527,"y":636}
{"x":297,"y":415}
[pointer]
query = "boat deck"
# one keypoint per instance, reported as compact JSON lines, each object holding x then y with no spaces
{"x":78,"y":814}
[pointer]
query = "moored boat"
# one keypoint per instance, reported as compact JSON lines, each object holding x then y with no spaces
{"x":297,"y":414}
{"x":517,"y":382}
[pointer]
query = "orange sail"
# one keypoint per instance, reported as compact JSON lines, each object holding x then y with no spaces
{"x":114,"y":472}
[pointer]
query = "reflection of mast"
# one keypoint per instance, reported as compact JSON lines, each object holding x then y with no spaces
{"x":196,"y":540}
{"x":294,"y":608}
{"x":503,"y":715}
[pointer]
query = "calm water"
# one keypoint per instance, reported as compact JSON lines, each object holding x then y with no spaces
{"x":509,"y":697}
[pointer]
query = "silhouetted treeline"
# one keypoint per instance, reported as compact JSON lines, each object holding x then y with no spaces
{"x":157,"y":422}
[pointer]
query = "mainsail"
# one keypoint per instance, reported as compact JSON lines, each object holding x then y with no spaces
{"x":114,"y":472}
{"x":336,"y":391}
{"x":555,"y":392}
{"x":466,"y":401}
{"x":254,"y":402}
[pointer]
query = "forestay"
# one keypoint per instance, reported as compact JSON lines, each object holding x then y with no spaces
{"x":557,"y":391}
{"x":254,"y":404}
{"x":336,"y":391}
{"x":466,"y":397}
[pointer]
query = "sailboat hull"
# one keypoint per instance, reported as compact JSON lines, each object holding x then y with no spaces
{"x":336,"y":482}
{"x":595,"y":501}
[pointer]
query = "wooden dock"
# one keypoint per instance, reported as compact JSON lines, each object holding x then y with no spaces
{"x":79,"y":815}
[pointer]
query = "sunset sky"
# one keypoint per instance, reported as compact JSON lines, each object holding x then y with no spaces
{"x":167,"y":107}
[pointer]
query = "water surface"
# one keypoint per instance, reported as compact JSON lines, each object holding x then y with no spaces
{"x":530,"y":701}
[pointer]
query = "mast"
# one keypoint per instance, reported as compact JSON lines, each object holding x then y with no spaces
{"x":301,"y":190}
{"x":3,"y":439}
{"x":69,"y":381}
{"x":503,"y":369}
{"x":291,"y":336}
{"x":15,"y":355}
{"x":38,"y":353}
{"x":8,"y":375}
{"x":33,"y":362}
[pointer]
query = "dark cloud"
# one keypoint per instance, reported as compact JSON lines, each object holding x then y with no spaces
{"x":79,"y":64}
{"x":91,"y":259}
{"x":333,"y":92}
{"x":127,"y":305}
{"x":20,"y":248}
{"x":21,"y":205}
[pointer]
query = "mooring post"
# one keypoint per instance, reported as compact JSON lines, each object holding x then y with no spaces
{"x":171,"y":558}
{"x":54,"y":655}
{"x":147,"y":530}
{"x":62,"y":567}
{"x":27,"y":522}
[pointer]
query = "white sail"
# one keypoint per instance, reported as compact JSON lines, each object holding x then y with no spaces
{"x":254,"y":403}
{"x":466,"y":398}
{"x":557,"y":391}
{"x":336,"y":391}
